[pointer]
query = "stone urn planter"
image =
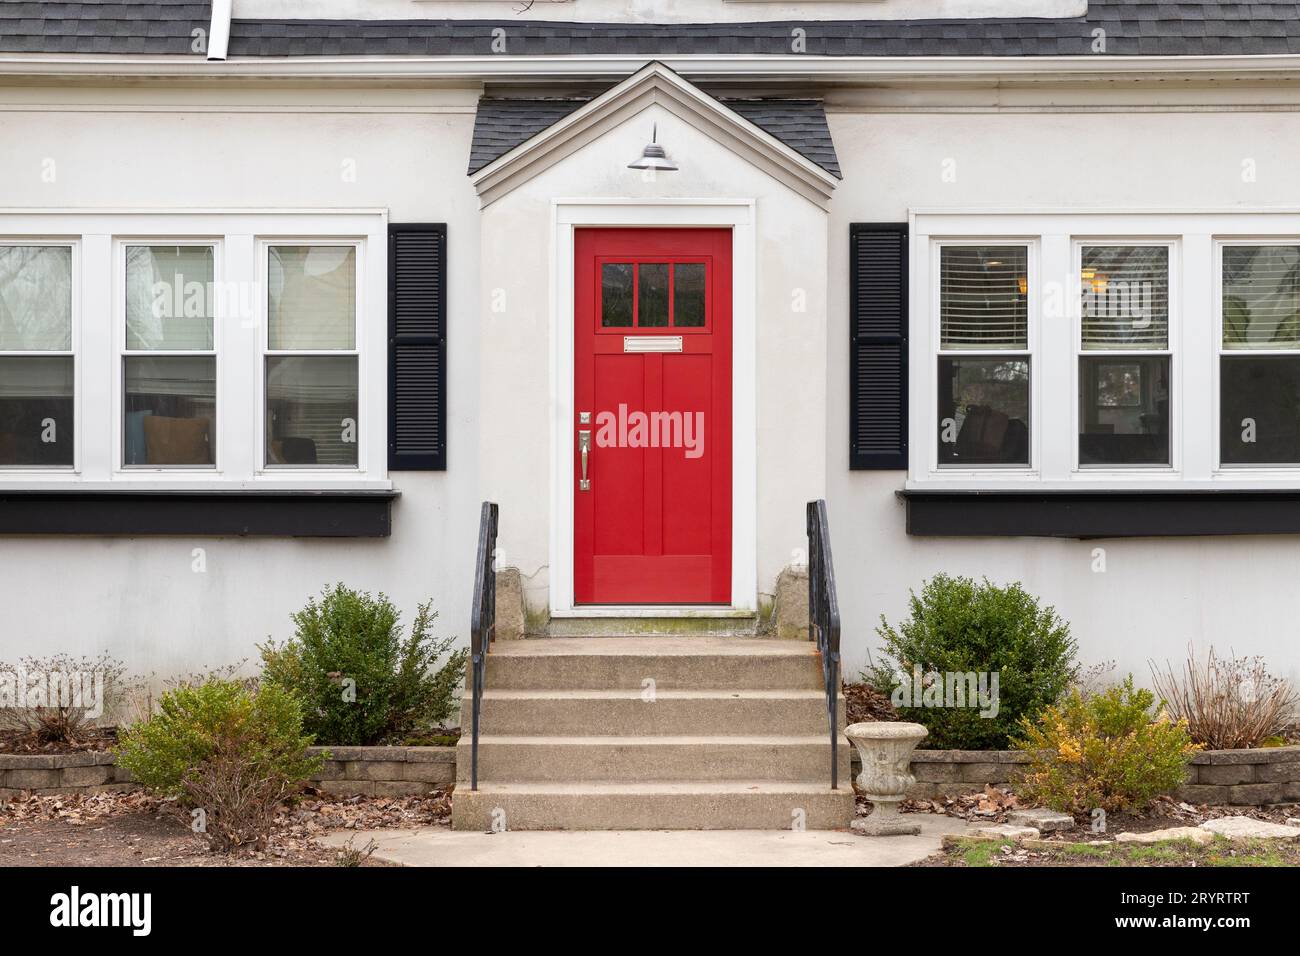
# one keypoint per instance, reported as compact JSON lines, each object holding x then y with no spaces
{"x":886,"y":752}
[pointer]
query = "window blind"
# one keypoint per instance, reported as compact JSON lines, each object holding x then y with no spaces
{"x":1261,"y":297}
{"x":984,"y":297}
{"x":1125,"y":297}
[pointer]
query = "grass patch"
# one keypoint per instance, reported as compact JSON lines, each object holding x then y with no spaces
{"x":1222,"y":852}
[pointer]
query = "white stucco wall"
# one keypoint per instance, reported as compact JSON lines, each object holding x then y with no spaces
{"x":1157,"y":595}
{"x":136,"y":147}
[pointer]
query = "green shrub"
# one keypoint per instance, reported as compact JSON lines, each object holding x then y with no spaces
{"x":229,"y":753}
{"x":361,"y":682}
{"x":957,"y":626}
{"x":1109,"y":750}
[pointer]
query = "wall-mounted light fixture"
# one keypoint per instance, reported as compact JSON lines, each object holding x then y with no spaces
{"x":653,"y":156}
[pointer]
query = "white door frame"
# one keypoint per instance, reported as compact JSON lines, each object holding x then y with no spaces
{"x":738,"y":215}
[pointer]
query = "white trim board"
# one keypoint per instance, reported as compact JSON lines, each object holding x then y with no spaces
{"x":738,"y":215}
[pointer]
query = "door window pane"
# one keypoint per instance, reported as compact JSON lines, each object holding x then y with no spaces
{"x":311,"y":410}
{"x":169,"y":294}
{"x":983,"y":411}
{"x":984,"y":297}
{"x":652,"y":295}
{"x":1124,"y":410}
{"x":688,"y":295}
{"x":616,"y":295}
{"x":312,"y":297}
{"x":1261,"y":297}
{"x":1125,"y":297}
{"x":171,"y":410}
{"x":35,"y":298}
{"x":1260,"y":410}
{"x":36,"y":409}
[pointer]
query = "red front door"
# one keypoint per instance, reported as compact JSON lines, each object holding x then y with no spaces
{"x":652,"y":383}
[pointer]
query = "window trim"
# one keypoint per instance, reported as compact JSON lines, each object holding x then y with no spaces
{"x":78,"y":428}
{"x":121,"y":352}
{"x":935,"y":352}
{"x":1075,"y":293}
{"x":263,"y":246}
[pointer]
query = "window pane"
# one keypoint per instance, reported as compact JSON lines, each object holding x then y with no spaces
{"x":36,"y":411}
{"x":983,"y":411}
{"x":1124,"y":410}
{"x":616,"y":295}
{"x":35,"y":298}
{"x":169,"y":296}
{"x":1261,"y":297}
{"x":170,"y":410}
{"x":688,"y":295}
{"x":652,"y":294}
{"x":1125,"y":297}
{"x":311,"y":410}
{"x":984,"y":297}
{"x":312,"y":297}
{"x":1260,"y":410}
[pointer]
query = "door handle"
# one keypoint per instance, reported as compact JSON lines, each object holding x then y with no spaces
{"x":584,"y":449}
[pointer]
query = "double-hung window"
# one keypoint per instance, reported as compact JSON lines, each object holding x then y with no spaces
{"x":37,"y":356}
{"x":312,"y":372}
{"x":1124,"y":358}
{"x":984,"y":363}
{"x":169,"y":359}
{"x":1259,"y":354}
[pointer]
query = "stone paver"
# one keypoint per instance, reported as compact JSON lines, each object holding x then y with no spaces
{"x":1245,"y":828}
{"x":442,"y":847}
{"x":1006,"y":831}
{"x":1040,"y":818}
{"x":1195,"y":834}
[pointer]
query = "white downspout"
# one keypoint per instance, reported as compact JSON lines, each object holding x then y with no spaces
{"x":219,"y":31}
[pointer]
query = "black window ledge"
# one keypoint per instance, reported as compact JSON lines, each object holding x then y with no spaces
{"x":130,"y":512}
{"x":1101,"y":514}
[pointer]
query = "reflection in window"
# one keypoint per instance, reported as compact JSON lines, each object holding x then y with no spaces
{"x":170,"y":410}
{"x":1261,"y":297}
{"x":1124,"y":410}
{"x":311,"y":410}
{"x":616,"y":295}
{"x":36,"y":411}
{"x":652,"y":295}
{"x":983,"y":411}
{"x":1260,"y":410}
{"x":688,"y":295}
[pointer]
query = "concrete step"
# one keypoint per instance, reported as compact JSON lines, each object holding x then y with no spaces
{"x":672,"y":663}
{"x":708,"y":623}
{"x":660,"y":759}
{"x":627,"y":713}
{"x":680,"y":805}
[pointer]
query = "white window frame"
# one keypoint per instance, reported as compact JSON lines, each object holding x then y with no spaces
{"x":364,"y":424}
{"x":992,"y":472}
{"x":63,"y":472}
{"x":1196,"y":238}
{"x":1119,"y":471}
{"x":1222,"y":469}
{"x":97,"y":235}
{"x":120,"y":245}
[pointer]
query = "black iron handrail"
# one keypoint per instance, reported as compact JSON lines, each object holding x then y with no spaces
{"x":824,"y":619}
{"x":482,"y":623}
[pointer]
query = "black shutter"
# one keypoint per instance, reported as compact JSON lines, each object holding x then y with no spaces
{"x":878,"y":346}
{"x":417,"y":346}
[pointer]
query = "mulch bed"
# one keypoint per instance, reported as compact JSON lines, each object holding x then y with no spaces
{"x":25,"y":742}
{"x":136,"y":829}
{"x":864,"y":703}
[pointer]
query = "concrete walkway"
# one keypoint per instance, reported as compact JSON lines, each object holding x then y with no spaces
{"x":442,"y":847}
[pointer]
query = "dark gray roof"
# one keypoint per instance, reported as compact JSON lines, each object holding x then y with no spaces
{"x":102,"y":26}
{"x":501,"y":124}
{"x":1132,"y":28}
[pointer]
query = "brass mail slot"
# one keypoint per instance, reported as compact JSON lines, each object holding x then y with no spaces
{"x":652,"y":343}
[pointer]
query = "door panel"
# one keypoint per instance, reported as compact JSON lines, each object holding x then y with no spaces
{"x":652,"y":359}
